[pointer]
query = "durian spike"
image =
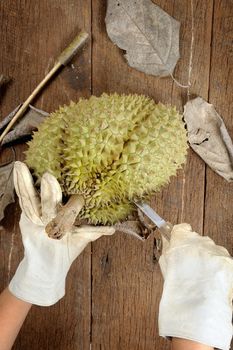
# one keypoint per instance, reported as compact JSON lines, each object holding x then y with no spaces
{"x":65,"y":218}
{"x":63,"y":59}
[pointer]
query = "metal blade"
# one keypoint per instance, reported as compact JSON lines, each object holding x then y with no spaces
{"x":164,"y":227}
{"x":151,"y":214}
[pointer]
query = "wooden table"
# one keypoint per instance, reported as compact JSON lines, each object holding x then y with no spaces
{"x":114,"y":288}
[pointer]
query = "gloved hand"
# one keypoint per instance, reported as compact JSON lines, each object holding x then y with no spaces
{"x":40,"y":277}
{"x":196,"y":303}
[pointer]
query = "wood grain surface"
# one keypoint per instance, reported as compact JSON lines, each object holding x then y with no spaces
{"x":114,"y":288}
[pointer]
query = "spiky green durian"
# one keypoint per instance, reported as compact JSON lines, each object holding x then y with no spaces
{"x":111,"y":149}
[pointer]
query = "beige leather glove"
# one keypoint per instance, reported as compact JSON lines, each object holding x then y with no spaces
{"x":196,"y":303}
{"x":40,"y":277}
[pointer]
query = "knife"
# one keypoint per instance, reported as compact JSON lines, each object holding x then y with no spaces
{"x":164,"y":227}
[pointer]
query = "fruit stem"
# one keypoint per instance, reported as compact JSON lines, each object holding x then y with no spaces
{"x":65,"y":218}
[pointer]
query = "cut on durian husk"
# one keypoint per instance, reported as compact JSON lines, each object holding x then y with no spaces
{"x":112,"y":150}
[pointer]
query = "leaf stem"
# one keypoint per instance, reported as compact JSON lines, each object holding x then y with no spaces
{"x":179,"y":84}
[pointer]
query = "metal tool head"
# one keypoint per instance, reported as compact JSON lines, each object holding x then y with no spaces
{"x":164,"y":227}
{"x":151,"y":214}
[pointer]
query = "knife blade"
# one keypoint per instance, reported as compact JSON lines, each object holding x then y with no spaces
{"x":164,"y":227}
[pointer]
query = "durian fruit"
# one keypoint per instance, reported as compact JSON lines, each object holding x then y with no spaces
{"x":112,"y":150}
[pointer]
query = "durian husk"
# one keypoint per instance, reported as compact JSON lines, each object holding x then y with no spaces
{"x":111,"y":150}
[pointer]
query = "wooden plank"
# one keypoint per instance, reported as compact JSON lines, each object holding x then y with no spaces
{"x":32,"y":35}
{"x":127,"y":283}
{"x":219,"y":193}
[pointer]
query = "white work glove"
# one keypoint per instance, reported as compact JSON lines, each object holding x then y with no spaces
{"x":196,"y":303}
{"x":40,"y":277}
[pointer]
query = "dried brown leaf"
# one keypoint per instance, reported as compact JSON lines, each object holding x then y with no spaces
{"x":25,"y":125}
{"x":6,"y":187}
{"x":148,"y":34}
{"x":209,"y":137}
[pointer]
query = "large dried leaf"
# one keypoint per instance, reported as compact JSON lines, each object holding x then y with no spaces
{"x":25,"y":125}
{"x":208,"y":136}
{"x":148,"y":34}
{"x":6,"y":187}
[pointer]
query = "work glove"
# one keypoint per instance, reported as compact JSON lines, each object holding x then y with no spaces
{"x":196,"y":303}
{"x":40,"y":277}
